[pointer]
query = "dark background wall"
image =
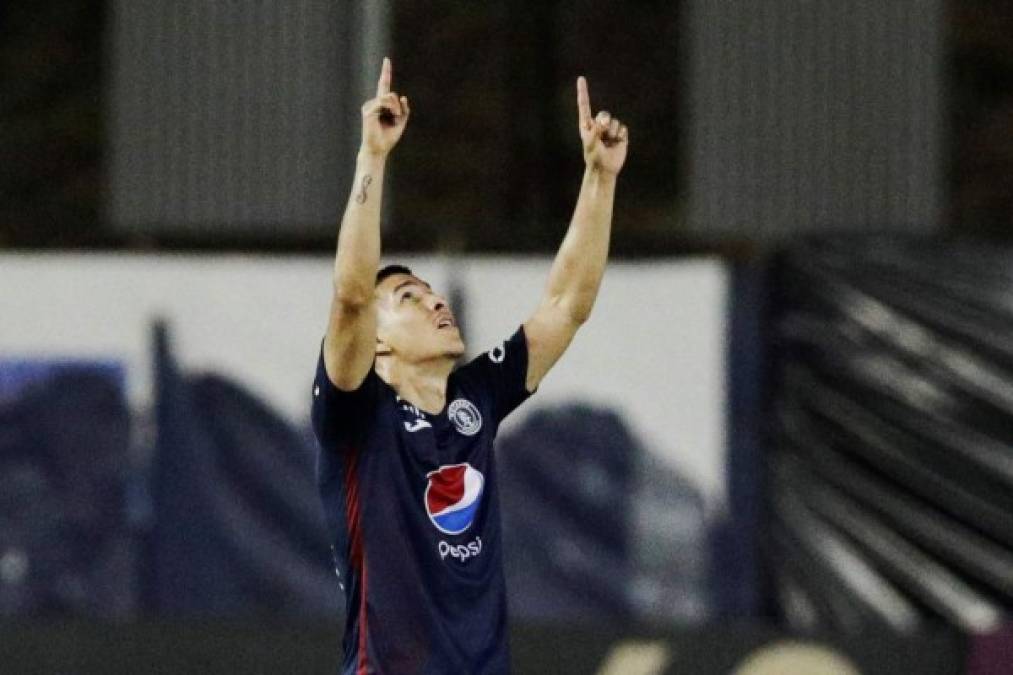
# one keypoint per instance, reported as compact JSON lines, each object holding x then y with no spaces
{"x":980,"y":73}
{"x":491,"y":161}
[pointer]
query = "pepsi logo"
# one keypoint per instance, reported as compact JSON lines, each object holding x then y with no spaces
{"x":453,"y":496}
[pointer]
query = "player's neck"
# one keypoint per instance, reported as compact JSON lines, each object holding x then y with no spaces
{"x":423,"y":384}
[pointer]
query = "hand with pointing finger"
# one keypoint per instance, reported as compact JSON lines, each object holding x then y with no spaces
{"x":604,"y":137}
{"x":383,"y":118}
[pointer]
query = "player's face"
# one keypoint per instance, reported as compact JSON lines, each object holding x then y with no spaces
{"x":413,"y":322}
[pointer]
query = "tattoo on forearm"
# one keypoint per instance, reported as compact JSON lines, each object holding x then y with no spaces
{"x":361,"y":197}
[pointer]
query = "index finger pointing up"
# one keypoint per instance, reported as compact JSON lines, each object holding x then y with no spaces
{"x":583,"y":102}
{"x":383,"y":84}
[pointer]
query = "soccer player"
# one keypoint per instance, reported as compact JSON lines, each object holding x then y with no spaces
{"x":406,"y":470}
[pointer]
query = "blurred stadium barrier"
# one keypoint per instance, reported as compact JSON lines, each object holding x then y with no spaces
{"x":224,"y":504}
{"x":891,"y":481}
{"x":888,"y":481}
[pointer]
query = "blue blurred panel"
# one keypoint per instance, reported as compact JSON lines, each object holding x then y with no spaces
{"x":595,"y":528}
{"x":18,"y":373}
{"x":65,"y":544}
{"x":238,"y":528}
{"x":566,"y":477}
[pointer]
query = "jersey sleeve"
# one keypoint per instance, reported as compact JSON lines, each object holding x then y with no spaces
{"x":502,"y":373}
{"x":339,"y":416}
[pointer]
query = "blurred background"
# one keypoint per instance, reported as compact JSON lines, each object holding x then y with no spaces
{"x":781,"y":445}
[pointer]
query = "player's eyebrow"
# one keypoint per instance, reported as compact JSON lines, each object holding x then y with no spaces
{"x":411,"y":282}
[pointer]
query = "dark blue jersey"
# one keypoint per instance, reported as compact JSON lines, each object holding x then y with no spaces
{"x":413,"y":512}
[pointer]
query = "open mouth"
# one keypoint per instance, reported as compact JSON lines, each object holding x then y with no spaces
{"x":445,"y":322}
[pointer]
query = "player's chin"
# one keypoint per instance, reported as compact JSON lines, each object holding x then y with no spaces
{"x":453,"y":345}
{"x":456,"y":350}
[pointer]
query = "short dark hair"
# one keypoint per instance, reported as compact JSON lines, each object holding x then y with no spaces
{"x":391,"y":270}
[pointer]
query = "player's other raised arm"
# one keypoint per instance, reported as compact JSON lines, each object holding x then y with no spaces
{"x":350,"y":343}
{"x":580,"y":263}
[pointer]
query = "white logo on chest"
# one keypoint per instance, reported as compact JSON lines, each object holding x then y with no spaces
{"x":419,"y":422}
{"x":417,"y":425}
{"x":465,"y":416}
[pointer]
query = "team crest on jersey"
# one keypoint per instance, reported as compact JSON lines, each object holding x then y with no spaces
{"x":453,"y":495}
{"x":465,"y":416}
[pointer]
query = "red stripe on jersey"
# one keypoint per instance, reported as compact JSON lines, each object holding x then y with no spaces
{"x":357,"y":555}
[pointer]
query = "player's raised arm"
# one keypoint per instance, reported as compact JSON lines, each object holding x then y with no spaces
{"x":350,"y":343}
{"x":580,"y":263}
